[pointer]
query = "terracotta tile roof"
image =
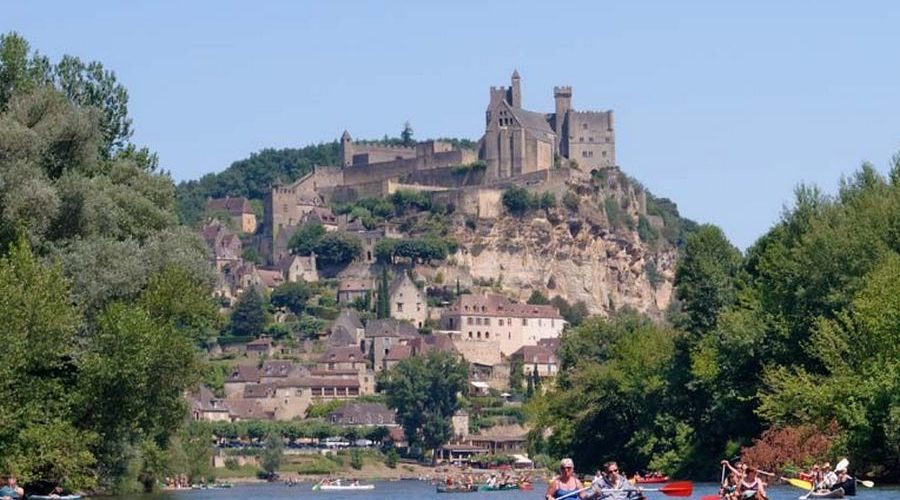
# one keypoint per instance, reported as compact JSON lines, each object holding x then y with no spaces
{"x":531,"y":354}
{"x":244,"y":373}
{"x":272,"y":278}
{"x":234,"y":206}
{"x":398,"y":353}
{"x":500,"y":306}
{"x":390,"y":328}
{"x":278,"y":368}
{"x":324,"y":372}
{"x":354,"y":285}
{"x":347,"y":354}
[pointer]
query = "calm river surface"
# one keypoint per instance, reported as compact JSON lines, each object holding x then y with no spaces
{"x":424,"y":490}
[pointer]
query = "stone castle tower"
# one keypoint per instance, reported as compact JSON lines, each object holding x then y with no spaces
{"x":517,"y":141}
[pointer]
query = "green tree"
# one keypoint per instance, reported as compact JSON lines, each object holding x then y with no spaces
{"x":382,"y":306}
{"x":249,"y":316}
{"x":337,"y":249}
{"x":423,"y":391}
{"x":406,"y":135}
{"x":292,"y":296}
{"x":272,"y":454}
{"x":705,"y":277}
{"x":517,"y":200}
{"x":538,"y":298}
{"x":304,"y":241}
{"x":516,"y":377}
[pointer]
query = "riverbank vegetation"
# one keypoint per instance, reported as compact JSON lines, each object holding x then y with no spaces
{"x":104,"y":295}
{"x":801,"y":331}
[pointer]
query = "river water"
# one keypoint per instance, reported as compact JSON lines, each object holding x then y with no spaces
{"x":424,"y":490}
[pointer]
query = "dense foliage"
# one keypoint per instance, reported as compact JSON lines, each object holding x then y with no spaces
{"x":800,"y":333}
{"x":423,"y":391}
{"x":104,"y":296}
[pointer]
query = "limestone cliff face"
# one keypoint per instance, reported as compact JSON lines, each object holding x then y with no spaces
{"x":593,"y":252}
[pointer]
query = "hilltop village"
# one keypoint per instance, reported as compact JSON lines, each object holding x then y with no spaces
{"x":385,"y":252}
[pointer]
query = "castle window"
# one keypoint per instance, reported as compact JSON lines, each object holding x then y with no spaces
{"x":478,"y":334}
{"x":590,"y":139}
{"x":487,"y":335}
{"x":470,"y":320}
{"x":501,"y":321}
{"x":607,"y":140}
{"x":604,"y":153}
{"x":584,"y":126}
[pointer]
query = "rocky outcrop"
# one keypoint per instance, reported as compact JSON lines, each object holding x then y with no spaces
{"x":592,"y":252}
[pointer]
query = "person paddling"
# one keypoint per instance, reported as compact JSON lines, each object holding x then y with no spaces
{"x":614,"y":485}
{"x":11,"y":490}
{"x":751,"y":486}
{"x":565,"y":484}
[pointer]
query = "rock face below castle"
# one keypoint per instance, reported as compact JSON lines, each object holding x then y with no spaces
{"x":588,"y":255}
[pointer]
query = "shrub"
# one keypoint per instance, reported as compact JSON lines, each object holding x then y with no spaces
{"x":646,"y":231}
{"x":392,"y":458}
{"x":570,"y":201}
{"x":356,"y":459}
{"x":516,"y":200}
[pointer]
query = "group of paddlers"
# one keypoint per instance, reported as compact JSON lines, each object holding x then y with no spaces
{"x":491,"y":481}
{"x":743,"y":481}
{"x":608,"y":483}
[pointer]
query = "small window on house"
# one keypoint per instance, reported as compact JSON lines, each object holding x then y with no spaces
{"x":487,"y":321}
{"x":478,"y":334}
{"x":477,"y":321}
{"x":590,"y":139}
{"x":524,"y":322}
{"x":500,"y":321}
{"x":418,"y":306}
{"x":508,"y":335}
{"x":470,"y":334}
{"x":470,"y":320}
{"x":399,"y":306}
{"x":487,"y":335}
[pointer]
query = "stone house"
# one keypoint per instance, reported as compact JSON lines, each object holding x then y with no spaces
{"x":225,"y":245}
{"x":535,"y":357}
{"x":347,"y":329}
{"x":240,"y":377}
{"x":274,"y":370}
{"x":495,"y":319}
{"x":238,"y":209}
{"x":382,"y":335}
{"x":343,"y":358}
{"x":407,"y":301}
{"x":296,"y":268}
{"x":205,"y":406}
{"x":259,"y":347}
{"x":351,"y":289}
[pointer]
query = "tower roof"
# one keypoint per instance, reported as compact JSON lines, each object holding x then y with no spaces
{"x":515,"y":74}
{"x":345,"y":135}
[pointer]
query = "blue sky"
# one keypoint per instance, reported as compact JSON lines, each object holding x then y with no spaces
{"x":723,"y":107}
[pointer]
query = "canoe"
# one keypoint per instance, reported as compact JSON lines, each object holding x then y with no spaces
{"x":456,"y":489}
{"x":653,"y":480}
{"x":59,"y":497}
{"x":344,"y":487}
{"x":508,"y":487}
{"x":838,"y":493}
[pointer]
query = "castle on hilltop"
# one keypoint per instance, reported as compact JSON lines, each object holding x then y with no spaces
{"x":517,"y":141}
{"x":518,"y":147}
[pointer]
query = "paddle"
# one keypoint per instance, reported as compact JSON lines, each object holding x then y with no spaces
{"x":806,"y":485}
{"x":721,"y":483}
{"x":675,"y":489}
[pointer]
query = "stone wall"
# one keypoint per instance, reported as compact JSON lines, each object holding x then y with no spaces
{"x":591,"y":140}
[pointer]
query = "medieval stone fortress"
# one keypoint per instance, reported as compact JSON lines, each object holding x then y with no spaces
{"x":519,"y":147}
{"x":565,"y":154}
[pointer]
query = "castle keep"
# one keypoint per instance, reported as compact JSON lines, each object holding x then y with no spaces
{"x":517,"y":141}
{"x":518,"y":146}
